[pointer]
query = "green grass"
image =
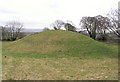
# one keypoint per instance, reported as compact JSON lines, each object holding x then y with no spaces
{"x":59,"y":55}
{"x":60,"y":44}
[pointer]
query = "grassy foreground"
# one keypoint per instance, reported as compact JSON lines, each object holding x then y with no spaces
{"x":59,"y":55}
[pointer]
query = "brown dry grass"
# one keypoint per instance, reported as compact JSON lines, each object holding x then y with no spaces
{"x":59,"y":69}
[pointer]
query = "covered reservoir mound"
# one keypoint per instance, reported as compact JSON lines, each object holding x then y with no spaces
{"x":60,"y":44}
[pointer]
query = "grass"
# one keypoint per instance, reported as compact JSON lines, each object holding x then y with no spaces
{"x":59,"y":55}
{"x":59,"y":69}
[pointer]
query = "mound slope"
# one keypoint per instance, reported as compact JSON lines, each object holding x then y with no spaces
{"x":61,"y":44}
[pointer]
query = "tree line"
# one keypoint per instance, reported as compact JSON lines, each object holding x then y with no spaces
{"x":11,"y":31}
{"x":97,"y":27}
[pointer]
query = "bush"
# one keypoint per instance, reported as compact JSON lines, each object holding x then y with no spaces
{"x":46,"y":29}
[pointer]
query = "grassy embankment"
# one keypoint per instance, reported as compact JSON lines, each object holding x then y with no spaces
{"x":58,"y":55}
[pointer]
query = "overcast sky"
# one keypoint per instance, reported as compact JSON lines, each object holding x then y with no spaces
{"x":41,"y":13}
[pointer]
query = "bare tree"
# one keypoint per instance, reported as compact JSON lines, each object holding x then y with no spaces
{"x":96,"y":25}
{"x":12,"y":30}
{"x":102,"y":25}
{"x":89,"y":23}
{"x":70,"y":27}
{"x":114,"y":16}
{"x":5,"y":33}
{"x":70,"y":22}
{"x":57,"y":24}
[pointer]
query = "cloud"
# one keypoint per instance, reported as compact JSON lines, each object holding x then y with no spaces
{"x":32,"y":12}
{"x":7,"y":11}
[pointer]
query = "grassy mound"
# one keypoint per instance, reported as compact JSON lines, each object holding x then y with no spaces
{"x":59,"y":44}
{"x":59,"y":55}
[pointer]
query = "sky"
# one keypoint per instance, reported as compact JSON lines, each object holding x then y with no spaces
{"x":38,"y":14}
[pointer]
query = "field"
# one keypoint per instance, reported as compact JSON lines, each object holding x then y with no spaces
{"x":59,"y":55}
